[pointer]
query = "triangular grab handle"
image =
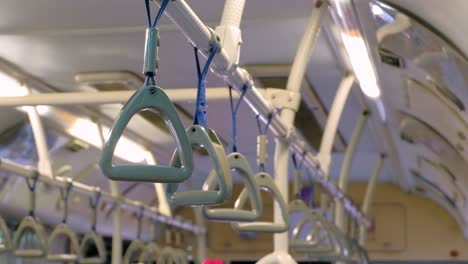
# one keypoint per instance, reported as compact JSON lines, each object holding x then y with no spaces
{"x":64,"y":230}
{"x":6,"y":236}
{"x":154,"y":99}
{"x":134,"y":251}
{"x":151,"y":253}
{"x":264,"y":181}
{"x":206,"y":138}
{"x":33,"y":225}
{"x":237,"y":162}
{"x":92,"y":238}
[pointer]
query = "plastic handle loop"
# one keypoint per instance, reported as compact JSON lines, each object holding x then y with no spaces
{"x":337,"y":248}
{"x":30,"y":224}
{"x":318,"y":241}
{"x":155,"y":99}
{"x":151,"y":253}
{"x":6,"y":244}
{"x":207,"y":139}
{"x":168,"y":256}
{"x":90,"y":239}
{"x":63,"y":230}
{"x":134,"y":251}
{"x":264,"y":181}
{"x":237,"y":162}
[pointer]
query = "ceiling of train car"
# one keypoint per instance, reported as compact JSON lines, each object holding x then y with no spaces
{"x":54,"y":40}
{"x":99,"y":36}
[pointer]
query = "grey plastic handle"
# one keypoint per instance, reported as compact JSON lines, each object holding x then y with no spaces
{"x":134,"y":251}
{"x":336,"y":250}
{"x":168,"y":256}
{"x":319,"y":241}
{"x":59,"y":231}
{"x":155,"y":99}
{"x":264,"y":181}
{"x":29,"y":223}
{"x":151,"y":253}
{"x":237,"y":162}
{"x":92,"y":238}
{"x":6,"y":236}
{"x":207,"y":139}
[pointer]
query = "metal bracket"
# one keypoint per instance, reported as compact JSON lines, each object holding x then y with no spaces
{"x":281,"y":98}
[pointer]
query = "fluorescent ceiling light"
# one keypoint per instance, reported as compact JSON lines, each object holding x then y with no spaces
{"x":11,"y":87}
{"x":361,"y":63}
{"x":88,"y":131}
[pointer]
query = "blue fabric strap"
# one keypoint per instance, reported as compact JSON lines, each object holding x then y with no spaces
{"x":64,"y":194}
{"x":32,"y":188}
{"x":267,"y":125}
{"x":93,"y":204}
{"x":234,"y":109}
{"x":298,"y":164}
{"x":200,"y":108}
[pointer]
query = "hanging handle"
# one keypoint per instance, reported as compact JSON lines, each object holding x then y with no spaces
{"x":154,"y":99}
{"x":6,"y":244}
{"x":30,"y":224}
{"x":206,"y":138}
{"x":64,"y":230}
{"x":239,"y":163}
{"x":265,"y":182}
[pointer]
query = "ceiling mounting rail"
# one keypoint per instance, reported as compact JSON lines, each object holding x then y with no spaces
{"x":29,"y":172}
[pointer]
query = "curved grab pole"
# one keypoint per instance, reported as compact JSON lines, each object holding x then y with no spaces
{"x":92,"y":237}
{"x":137,"y":247}
{"x":63,"y":229}
{"x":6,"y":244}
{"x":32,"y":224}
{"x":237,"y":162}
{"x":265,"y":181}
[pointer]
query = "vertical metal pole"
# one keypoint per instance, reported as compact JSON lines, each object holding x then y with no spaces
{"x":116,"y":214}
{"x":295,"y":79}
{"x":44,"y":165}
{"x":340,"y":214}
{"x":201,"y":236}
{"x":163,"y":204}
{"x":366,"y":204}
